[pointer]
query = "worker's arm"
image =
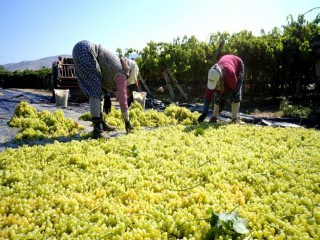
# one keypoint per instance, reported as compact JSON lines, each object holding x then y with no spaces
{"x":122,"y":94}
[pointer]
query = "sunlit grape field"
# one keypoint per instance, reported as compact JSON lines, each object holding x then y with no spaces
{"x":160,"y":183}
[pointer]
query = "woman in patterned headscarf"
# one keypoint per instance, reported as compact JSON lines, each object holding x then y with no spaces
{"x":99,"y":71}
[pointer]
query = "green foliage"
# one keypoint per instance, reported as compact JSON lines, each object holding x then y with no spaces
{"x":150,"y":61}
{"x":284,"y":58}
{"x":26,"y":78}
{"x":135,"y":151}
{"x":290,"y":110}
{"x":281,"y":57}
{"x":199,"y":131}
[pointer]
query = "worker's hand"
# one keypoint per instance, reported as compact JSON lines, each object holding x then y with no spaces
{"x":128,"y":127}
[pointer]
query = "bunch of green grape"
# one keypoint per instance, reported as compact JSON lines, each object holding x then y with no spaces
{"x":152,"y":118}
{"x":43,"y":124}
{"x":159,"y":185}
{"x":181,"y":115}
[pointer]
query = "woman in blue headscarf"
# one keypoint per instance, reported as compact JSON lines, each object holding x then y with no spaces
{"x":99,"y":71}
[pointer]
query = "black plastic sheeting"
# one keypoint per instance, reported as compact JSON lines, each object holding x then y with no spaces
{"x":10,"y":98}
{"x":152,"y":102}
{"x":264,"y":121}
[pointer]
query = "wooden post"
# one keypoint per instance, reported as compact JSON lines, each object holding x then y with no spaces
{"x":178,"y":85}
{"x":166,"y":77}
{"x":144,"y":84}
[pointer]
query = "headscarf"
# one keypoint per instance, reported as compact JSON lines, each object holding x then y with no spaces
{"x":133,"y":72}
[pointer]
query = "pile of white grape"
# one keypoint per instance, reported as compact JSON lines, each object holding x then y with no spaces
{"x":151,"y":118}
{"x":44,"y":124}
{"x":40,"y":125}
{"x":159,"y":184}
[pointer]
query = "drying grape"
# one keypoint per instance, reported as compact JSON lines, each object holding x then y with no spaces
{"x":159,"y":184}
{"x":42,"y":124}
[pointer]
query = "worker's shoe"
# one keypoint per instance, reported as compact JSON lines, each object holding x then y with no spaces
{"x":98,"y":131}
{"x":107,"y":127}
{"x":202,"y":117}
{"x":213,"y":120}
{"x":236,"y":121}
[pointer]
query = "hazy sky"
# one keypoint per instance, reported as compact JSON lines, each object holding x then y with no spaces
{"x":34,"y":29}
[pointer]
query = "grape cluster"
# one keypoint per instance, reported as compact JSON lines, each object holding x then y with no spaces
{"x":40,"y":125}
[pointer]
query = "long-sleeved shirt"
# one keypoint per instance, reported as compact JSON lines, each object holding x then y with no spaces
{"x":231,"y":66}
{"x":99,"y":70}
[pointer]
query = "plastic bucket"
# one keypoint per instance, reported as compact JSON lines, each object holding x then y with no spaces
{"x":61,"y":96}
{"x":140,"y":97}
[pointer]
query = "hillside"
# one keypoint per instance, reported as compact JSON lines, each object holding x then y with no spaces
{"x":43,"y":62}
{"x":33,"y":65}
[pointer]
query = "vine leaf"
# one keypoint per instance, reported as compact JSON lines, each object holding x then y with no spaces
{"x":135,"y":150}
{"x":229,"y":223}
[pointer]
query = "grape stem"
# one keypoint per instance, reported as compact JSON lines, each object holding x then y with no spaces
{"x":101,"y":237}
{"x":184,"y":189}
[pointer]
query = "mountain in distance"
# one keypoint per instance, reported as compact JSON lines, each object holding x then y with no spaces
{"x":43,"y":62}
{"x":33,"y":65}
